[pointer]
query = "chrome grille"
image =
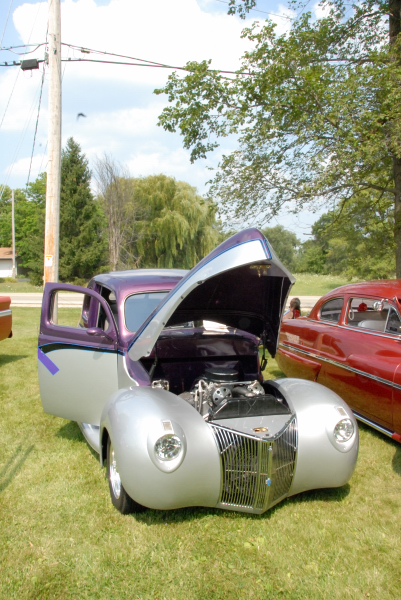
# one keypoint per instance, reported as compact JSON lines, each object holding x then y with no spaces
{"x":256,"y":473}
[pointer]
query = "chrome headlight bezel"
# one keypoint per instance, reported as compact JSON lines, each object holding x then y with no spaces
{"x":167,"y":445}
{"x":342,"y":429}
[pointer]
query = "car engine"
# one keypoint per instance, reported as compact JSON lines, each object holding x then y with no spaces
{"x":219,"y":395}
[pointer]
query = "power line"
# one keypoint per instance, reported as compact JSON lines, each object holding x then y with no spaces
{"x":303,"y":8}
{"x":262,"y":11}
{"x":5,"y":25}
{"x":156,"y":66}
{"x":36,"y":126}
{"x":11,"y":48}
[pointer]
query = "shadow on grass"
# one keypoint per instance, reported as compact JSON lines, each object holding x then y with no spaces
{"x":158,"y":517}
{"x":396,"y":460}
{"x":71,"y":431}
{"x":13,"y":466}
{"x":9,"y":358}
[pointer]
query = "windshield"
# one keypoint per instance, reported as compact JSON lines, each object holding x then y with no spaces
{"x":139,"y":306}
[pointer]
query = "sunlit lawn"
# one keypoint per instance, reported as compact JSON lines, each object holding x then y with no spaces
{"x":308,"y":284}
{"x":61,"y":538}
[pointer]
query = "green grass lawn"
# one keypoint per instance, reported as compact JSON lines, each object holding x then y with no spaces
{"x":308,"y":284}
{"x":61,"y":538}
{"x":21,"y":287}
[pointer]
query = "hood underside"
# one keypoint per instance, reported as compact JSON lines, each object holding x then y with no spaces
{"x":241,"y":284}
{"x":248,"y":298}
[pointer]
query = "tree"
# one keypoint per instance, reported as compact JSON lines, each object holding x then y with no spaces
{"x":82,"y":239}
{"x":115,"y":191}
{"x":5,"y":214}
{"x":180,"y":227}
{"x":359,"y":244}
{"x":285,"y":243}
{"x":29,"y":226}
{"x":316,"y":111}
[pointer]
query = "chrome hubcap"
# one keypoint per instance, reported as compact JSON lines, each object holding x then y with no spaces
{"x":114,"y":474}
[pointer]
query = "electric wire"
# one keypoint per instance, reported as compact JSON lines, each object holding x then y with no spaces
{"x":36,"y":126}
{"x":11,"y":49}
{"x":302,"y":9}
{"x":5,"y":25}
{"x":261,"y":11}
{"x":19,"y":144}
{"x":156,"y":66}
{"x":22,"y":137}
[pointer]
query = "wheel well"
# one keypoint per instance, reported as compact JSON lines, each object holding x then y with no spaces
{"x":103,"y":447}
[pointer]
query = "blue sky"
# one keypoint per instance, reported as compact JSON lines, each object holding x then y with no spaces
{"x":118,"y":101}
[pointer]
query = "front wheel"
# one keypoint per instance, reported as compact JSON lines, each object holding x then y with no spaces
{"x":119,"y":497}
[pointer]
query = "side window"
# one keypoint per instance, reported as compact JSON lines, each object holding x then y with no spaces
{"x":331,"y":310}
{"x":368,"y":313}
{"x":84,"y":320}
{"x":100,"y":317}
{"x":393,"y":324}
{"x":139,"y":306}
{"x":75,"y":311}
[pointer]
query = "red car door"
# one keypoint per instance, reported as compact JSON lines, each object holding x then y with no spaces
{"x":362,"y":359}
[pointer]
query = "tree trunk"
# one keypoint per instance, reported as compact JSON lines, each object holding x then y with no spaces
{"x":394,"y":32}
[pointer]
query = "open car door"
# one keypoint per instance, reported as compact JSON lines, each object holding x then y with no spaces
{"x":77,"y":354}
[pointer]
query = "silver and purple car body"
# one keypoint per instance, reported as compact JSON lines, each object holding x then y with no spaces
{"x":163,"y":376}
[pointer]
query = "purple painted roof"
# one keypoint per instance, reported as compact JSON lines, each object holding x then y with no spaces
{"x":133,"y":281}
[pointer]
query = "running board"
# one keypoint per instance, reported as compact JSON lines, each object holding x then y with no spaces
{"x":91,"y":434}
{"x":392,"y":434}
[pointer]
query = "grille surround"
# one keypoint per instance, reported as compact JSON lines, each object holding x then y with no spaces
{"x":255,"y":473}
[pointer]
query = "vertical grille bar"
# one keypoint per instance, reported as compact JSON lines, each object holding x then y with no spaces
{"x":256,"y":473}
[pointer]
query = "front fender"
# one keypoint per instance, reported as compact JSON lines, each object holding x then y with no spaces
{"x":134,"y":419}
{"x":322,"y":462}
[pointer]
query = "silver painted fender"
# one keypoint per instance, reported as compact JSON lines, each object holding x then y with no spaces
{"x":322,"y":462}
{"x":134,"y":420}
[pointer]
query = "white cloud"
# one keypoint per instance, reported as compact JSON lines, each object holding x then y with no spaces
{"x":173,"y":33}
{"x":118,"y":101}
{"x":321,"y":11}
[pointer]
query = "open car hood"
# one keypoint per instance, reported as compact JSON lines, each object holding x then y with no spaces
{"x":241,"y":284}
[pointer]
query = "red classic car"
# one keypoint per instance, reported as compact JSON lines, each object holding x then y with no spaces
{"x":5,"y":318}
{"x":351,"y":343}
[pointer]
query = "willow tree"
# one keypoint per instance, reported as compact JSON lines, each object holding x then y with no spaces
{"x":316,"y":112}
{"x":180,"y":226}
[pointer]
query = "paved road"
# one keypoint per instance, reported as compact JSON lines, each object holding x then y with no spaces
{"x":35,"y":299}
{"x":72,"y":300}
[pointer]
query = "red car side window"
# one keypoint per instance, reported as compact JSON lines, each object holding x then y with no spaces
{"x":331,"y":310}
{"x":375,"y":314}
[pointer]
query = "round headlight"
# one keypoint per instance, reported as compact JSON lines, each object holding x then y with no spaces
{"x":344,"y":430}
{"x":168,"y":447}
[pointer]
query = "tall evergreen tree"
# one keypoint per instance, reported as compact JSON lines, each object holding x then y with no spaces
{"x":82,"y":240}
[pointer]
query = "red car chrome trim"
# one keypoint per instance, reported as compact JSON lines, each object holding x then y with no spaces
{"x":390,"y":336}
{"x":388,"y":432}
{"x":5,"y":313}
{"x":341,"y":365}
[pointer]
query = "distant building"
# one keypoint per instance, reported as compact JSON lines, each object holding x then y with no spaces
{"x":6,"y":262}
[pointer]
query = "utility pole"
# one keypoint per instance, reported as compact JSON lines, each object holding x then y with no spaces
{"x":14,"y":269}
{"x":52,"y":220}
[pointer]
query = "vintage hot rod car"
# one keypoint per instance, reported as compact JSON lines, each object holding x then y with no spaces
{"x":350,"y":342}
{"x":163,"y":375}
{"x":5,"y":318}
